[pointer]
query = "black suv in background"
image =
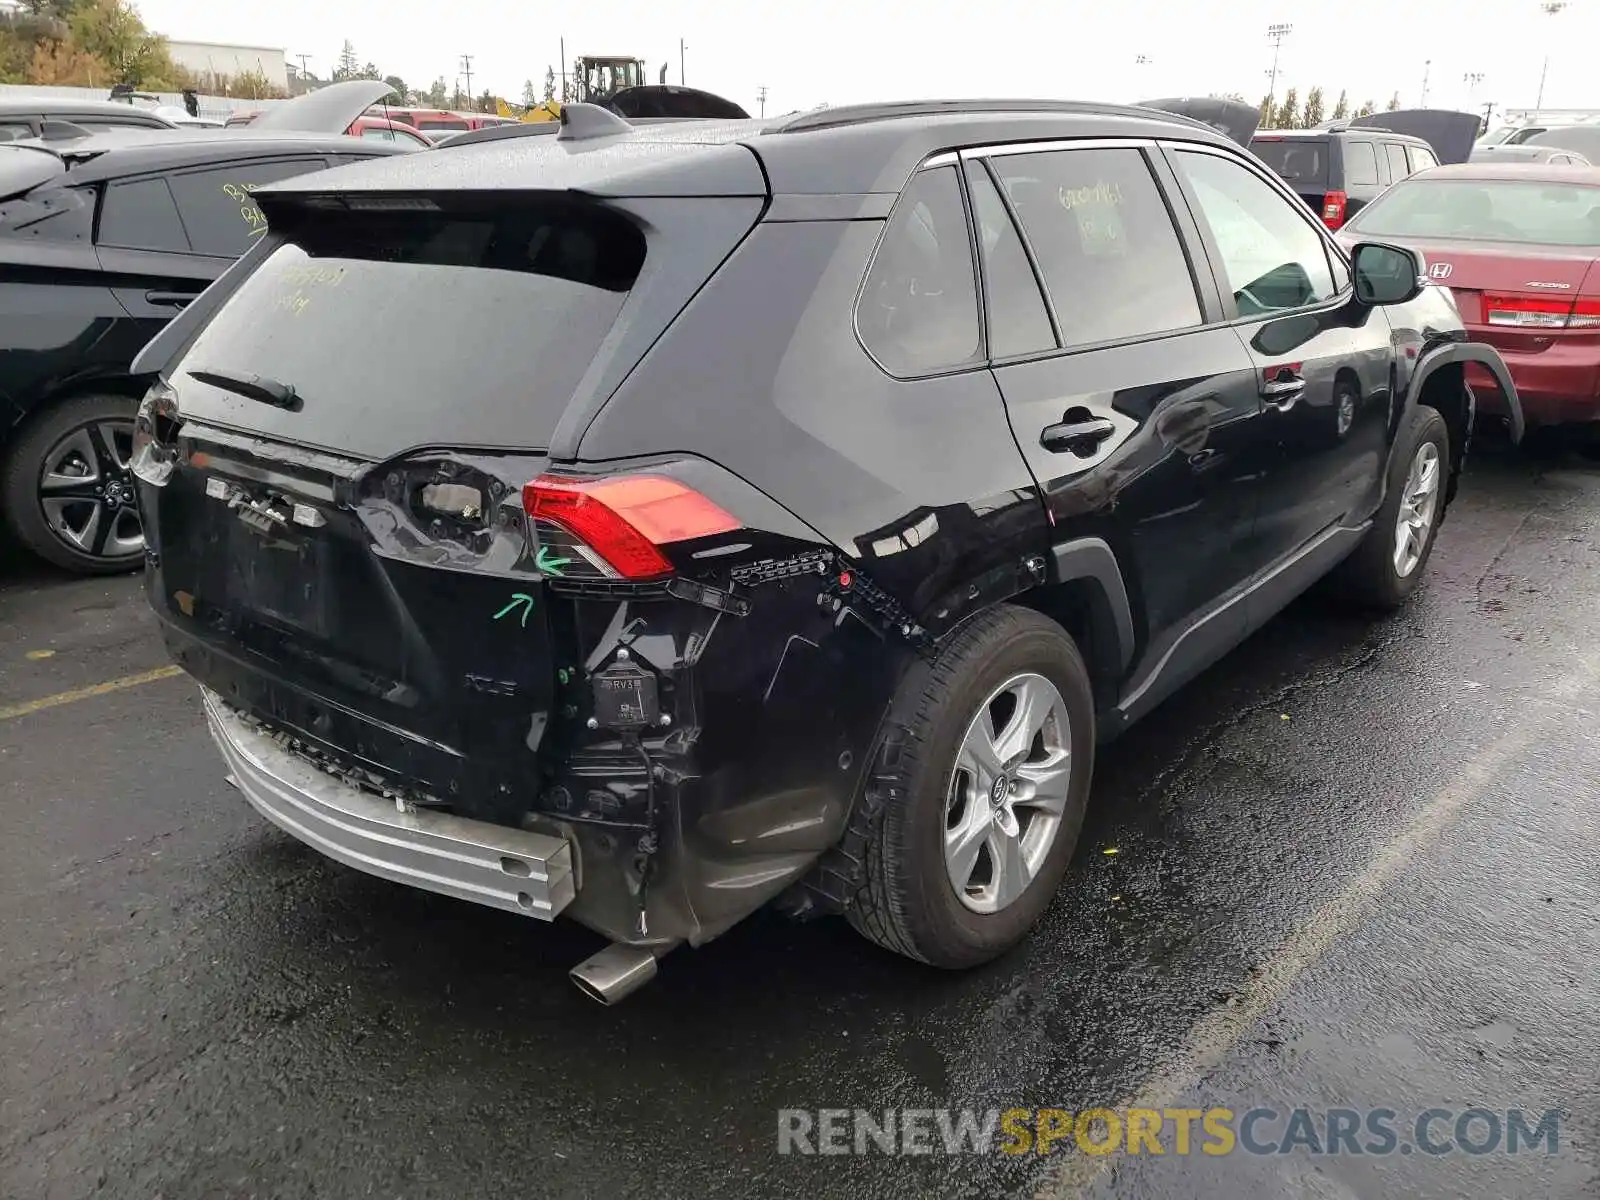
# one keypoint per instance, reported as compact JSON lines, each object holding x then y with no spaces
{"x":103,"y":239}
{"x":1337,"y":172}
{"x":732,"y":512}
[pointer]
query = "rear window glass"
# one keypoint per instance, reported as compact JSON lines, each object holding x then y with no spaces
{"x":427,"y":125}
{"x":1297,"y":160}
{"x":1496,"y":210}
{"x":404,"y":329}
{"x":1360,"y":164}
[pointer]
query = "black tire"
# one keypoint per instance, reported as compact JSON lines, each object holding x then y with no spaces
{"x":1370,"y":578}
{"x":908,"y":903}
{"x":24,"y":464}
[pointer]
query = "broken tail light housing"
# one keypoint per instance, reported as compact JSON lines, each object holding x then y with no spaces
{"x":1540,"y":312}
{"x":155,"y":428}
{"x":1334,"y":207}
{"x":624,"y":520}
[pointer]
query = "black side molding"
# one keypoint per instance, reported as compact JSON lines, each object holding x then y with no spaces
{"x":1465,"y":352}
{"x":1092,"y":559}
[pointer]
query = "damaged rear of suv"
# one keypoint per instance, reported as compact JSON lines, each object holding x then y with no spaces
{"x":678,"y":543}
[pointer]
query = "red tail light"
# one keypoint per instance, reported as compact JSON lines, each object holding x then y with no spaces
{"x":1541,"y":312}
{"x":1333,"y":209}
{"x":625,"y":519}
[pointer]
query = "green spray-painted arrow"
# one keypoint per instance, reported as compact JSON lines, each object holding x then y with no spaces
{"x":550,"y":566}
{"x":518,"y":598}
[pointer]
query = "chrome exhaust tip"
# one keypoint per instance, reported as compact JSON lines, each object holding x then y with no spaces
{"x":617,"y":972}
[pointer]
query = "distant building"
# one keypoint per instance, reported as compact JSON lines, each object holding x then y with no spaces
{"x":217,"y":60}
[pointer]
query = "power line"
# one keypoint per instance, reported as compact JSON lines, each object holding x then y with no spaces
{"x":466,"y":69}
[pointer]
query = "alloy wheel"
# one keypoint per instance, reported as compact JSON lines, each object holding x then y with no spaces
{"x":86,"y":490}
{"x":1419,"y":503}
{"x":1007,"y":793}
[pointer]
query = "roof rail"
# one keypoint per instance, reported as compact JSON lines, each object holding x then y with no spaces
{"x":860,"y":114}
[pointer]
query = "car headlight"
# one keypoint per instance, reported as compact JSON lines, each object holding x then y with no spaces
{"x":155,"y":429}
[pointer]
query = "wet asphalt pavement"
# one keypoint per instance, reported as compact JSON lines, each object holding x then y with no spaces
{"x":1357,"y":866}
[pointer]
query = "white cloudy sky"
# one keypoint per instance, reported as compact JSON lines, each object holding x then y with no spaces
{"x":840,"y":51}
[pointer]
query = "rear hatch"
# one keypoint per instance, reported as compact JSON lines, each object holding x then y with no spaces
{"x":342,"y":547}
{"x":1304,"y":163}
{"x":1451,"y":134}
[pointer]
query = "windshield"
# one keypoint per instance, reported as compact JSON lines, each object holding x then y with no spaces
{"x":1296,"y":160}
{"x":410,"y":328}
{"x":1495,"y":210}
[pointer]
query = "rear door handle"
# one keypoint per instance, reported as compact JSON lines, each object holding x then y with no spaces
{"x":1082,"y":437}
{"x":1281,"y":393}
{"x":170,"y":299}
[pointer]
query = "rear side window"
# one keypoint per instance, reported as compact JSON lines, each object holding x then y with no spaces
{"x":1104,"y":241}
{"x":378,"y":132}
{"x":1421,"y":159}
{"x":918,"y":313}
{"x":1360,"y":164}
{"x":142,"y":216}
{"x":475,"y":326}
{"x":1303,"y":162}
{"x":1018,"y":322}
{"x":1398,"y":167}
{"x":217,"y":207}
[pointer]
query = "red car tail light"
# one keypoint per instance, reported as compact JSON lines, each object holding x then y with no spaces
{"x":1334,"y":205}
{"x":625,"y":519}
{"x":1541,"y":312}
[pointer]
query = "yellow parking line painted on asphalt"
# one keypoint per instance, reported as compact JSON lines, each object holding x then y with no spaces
{"x":87,"y":693}
{"x":1214,"y":1036}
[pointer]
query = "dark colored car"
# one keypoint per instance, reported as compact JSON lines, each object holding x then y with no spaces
{"x":21,"y":119}
{"x":1337,"y":172}
{"x":1517,"y":245}
{"x":103,"y":239}
{"x":733,"y":512}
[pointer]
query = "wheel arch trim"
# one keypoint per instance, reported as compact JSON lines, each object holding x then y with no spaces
{"x":1091,"y":560}
{"x":1464,"y":352}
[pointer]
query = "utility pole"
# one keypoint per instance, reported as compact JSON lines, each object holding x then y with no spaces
{"x":1550,"y":8}
{"x":761,"y":95}
{"x":682,"y":46}
{"x":466,"y":69}
{"x":304,"y":73}
{"x":563,"y":70}
{"x":1427,"y":65}
{"x":1275,"y":35}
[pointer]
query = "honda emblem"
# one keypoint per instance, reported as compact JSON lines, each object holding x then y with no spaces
{"x":1440,"y":271}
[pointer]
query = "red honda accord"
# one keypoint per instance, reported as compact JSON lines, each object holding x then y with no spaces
{"x":1516,"y":243}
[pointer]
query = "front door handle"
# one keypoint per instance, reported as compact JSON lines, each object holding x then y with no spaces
{"x":1282,"y":392}
{"x":1082,"y":436}
{"x":170,"y":299}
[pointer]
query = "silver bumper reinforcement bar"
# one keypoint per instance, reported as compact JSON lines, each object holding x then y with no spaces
{"x":510,"y":869}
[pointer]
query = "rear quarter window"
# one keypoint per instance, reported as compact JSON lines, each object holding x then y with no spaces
{"x":918,"y":313}
{"x":1360,"y":164}
{"x":141,"y":215}
{"x":1298,"y":161}
{"x":1398,"y":167}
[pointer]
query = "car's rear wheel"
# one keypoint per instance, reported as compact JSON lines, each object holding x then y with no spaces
{"x":986,"y":796}
{"x":68,"y":490}
{"x":1388,"y":564}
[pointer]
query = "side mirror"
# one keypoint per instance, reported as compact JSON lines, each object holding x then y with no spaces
{"x":1386,"y":274}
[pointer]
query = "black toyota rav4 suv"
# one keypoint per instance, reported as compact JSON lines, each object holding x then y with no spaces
{"x":724,"y":513}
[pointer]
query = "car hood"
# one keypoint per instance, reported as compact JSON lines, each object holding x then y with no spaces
{"x":1451,"y":134}
{"x":1235,"y":118}
{"x":327,"y":110}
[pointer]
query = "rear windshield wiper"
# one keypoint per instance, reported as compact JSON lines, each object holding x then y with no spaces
{"x":252,"y":387}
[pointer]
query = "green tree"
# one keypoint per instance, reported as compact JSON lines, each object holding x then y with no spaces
{"x":438,"y":92}
{"x":1313,"y":111}
{"x":1268,"y":112}
{"x":1288,"y":114}
{"x":549,"y":84}
{"x":349,"y":65}
{"x":400,"y":89}
{"x":1341,"y":110}
{"x":530,"y":94}
{"x":1394,"y":103}
{"x":111,"y":31}
{"x":1367,"y":109}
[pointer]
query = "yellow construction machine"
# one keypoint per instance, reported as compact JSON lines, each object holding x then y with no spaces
{"x":597,"y":79}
